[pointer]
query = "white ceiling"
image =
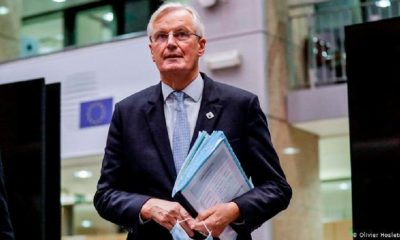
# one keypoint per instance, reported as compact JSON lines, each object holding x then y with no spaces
{"x":326,"y":127}
{"x":71,"y":184}
{"x":334,"y":146}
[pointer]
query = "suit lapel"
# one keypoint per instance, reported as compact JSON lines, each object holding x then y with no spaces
{"x":210,"y":103}
{"x":156,"y":119}
{"x":210,"y":109}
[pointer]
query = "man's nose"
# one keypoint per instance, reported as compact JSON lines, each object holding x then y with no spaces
{"x":171,"y":39}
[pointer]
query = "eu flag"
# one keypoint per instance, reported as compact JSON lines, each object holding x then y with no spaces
{"x":96,"y":113}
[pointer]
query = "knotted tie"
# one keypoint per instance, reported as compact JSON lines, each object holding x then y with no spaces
{"x":181,"y":135}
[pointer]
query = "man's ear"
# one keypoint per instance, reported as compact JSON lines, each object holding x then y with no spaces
{"x":151,"y":52}
{"x":202,"y":46}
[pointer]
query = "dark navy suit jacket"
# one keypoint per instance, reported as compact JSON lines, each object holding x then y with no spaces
{"x":138,"y":162}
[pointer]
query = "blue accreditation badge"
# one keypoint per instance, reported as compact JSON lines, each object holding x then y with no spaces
{"x":96,"y":113}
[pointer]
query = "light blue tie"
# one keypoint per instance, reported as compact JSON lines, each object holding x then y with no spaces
{"x":181,"y":137}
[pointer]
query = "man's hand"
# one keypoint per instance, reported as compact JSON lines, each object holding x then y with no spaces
{"x":216,"y":218}
{"x":166,"y":214}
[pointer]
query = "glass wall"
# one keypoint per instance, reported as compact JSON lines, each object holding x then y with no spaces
{"x":316,"y":47}
{"x":95,"y":25}
{"x":42,"y":34}
{"x":45,"y":26}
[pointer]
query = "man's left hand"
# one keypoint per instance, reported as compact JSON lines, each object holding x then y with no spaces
{"x":216,"y":218}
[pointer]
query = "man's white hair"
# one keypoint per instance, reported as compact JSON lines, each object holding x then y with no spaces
{"x":169,"y":7}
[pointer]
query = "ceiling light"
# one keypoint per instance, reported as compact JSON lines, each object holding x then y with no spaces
{"x":59,"y":1}
{"x":344,"y":186}
{"x":83,"y":174}
{"x":4,"y":10}
{"x":67,"y":199}
{"x":108,"y":16}
{"x":383,"y":3}
{"x":86,"y":223}
{"x":291,"y":151}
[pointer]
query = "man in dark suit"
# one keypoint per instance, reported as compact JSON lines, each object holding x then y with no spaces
{"x":146,"y":141}
{"x":6,"y":231}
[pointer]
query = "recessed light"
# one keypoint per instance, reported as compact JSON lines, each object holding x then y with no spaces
{"x":291,"y":151}
{"x":67,"y":199}
{"x":59,"y":1}
{"x":108,"y":16}
{"x":83,"y":174}
{"x":344,"y":186}
{"x":86,"y":223}
{"x":4,"y":10}
{"x":383,"y":3}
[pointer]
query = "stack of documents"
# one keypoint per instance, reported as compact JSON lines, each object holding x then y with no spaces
{"x":211,"y":174}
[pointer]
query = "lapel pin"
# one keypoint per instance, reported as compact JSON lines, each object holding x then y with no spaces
{"x":210,"y":115}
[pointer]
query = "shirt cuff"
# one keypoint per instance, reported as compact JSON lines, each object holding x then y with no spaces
{"x":141,"y":221}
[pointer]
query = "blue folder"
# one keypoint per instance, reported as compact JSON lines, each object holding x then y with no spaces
{"x":211,"y":174}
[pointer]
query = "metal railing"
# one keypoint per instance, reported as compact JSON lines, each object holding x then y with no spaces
{"x":316,"y":53}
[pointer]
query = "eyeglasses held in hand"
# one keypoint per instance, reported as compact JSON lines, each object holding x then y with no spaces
{"x":181,"y":36}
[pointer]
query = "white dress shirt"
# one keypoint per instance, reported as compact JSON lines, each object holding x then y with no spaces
{"x":192,"y":101}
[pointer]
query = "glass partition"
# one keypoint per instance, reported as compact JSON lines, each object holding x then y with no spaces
{"x":95,"y":25}
{"x":43,"y":34}
{"x":30,"y":28}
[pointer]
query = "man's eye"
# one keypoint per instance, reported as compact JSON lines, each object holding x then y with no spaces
{"x":181,"y":34}
{"x":161,"y":36}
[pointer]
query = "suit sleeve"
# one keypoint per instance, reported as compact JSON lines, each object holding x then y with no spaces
{"x":111,"y":202}
{"x":271,"y":193}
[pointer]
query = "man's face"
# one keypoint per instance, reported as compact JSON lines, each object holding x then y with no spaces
{"x":173,"y":55}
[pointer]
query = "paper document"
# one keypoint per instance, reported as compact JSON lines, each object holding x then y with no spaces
{"x":212,"y":174}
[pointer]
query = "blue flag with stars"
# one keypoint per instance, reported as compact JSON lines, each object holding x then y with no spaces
{"x":96,"y":113}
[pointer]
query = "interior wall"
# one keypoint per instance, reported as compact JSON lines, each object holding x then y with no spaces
{"x":302,"y":219}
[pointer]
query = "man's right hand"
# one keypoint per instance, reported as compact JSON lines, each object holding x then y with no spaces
{"x":166,"y":214}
